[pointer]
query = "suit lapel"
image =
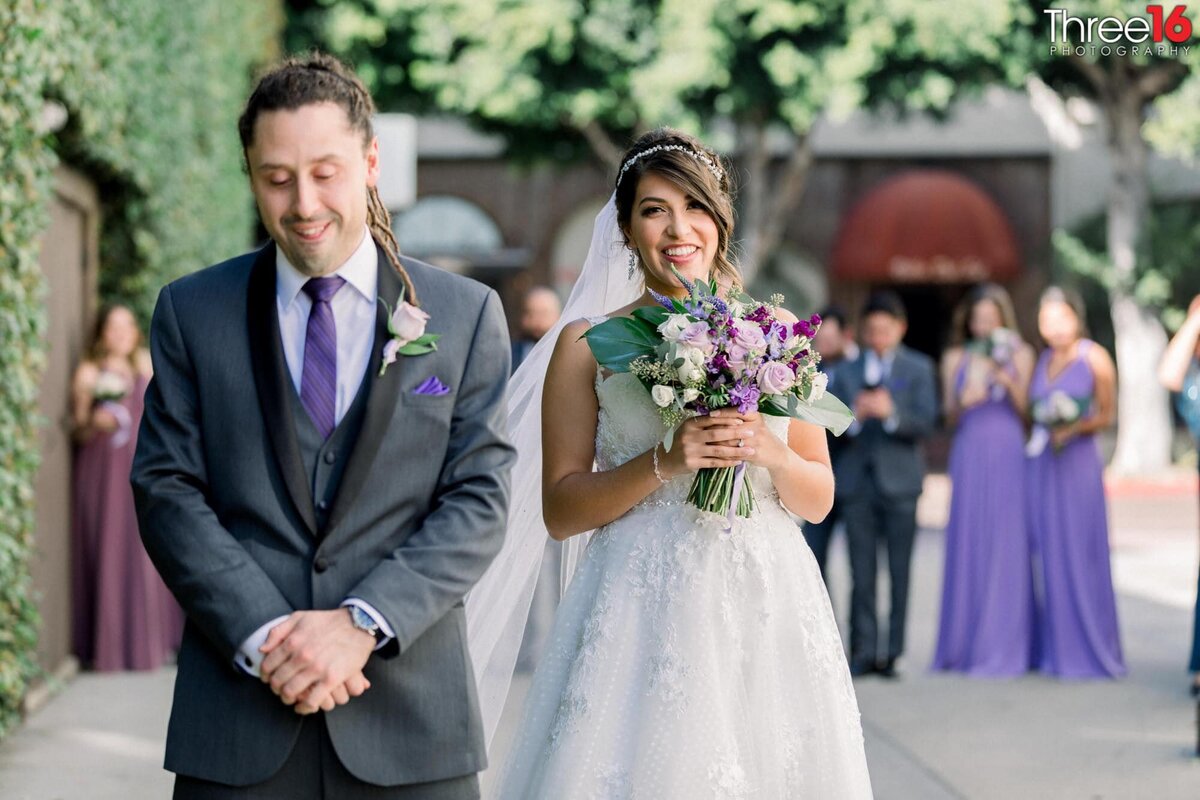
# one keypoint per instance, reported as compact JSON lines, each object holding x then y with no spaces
{"x":272,"y":380}
{"x":381,"y":400}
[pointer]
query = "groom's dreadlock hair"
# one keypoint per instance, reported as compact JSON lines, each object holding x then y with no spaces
{"x":320,"y":78}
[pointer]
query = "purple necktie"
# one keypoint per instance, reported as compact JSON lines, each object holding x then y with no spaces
{"x":318,"y":381}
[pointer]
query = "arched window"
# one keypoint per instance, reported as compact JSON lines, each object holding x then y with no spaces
{"x":442,"y":225}
{"x":571,"y":245}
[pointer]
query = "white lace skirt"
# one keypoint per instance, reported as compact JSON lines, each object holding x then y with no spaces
{"x":689,"y":662}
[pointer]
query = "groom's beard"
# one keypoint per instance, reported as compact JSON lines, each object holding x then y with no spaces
{"x":319,"y":257}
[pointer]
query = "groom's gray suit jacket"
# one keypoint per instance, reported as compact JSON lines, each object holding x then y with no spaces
{"x":227,"y":513}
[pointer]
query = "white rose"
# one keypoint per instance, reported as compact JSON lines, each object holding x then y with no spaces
{"x":819,"y":384}
{"x":673,"y":326}
{"x":663,"y":396}
{"x":1065,"y":407}
{"x":407,"y":323}
{"x":690,"y":394}
{"x":690,"y":373}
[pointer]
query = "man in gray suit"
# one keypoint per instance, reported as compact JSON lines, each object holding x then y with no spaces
{"x":880,"y":471}
{"x":319,"y":488}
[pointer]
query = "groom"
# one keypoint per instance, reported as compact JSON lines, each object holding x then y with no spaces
{"x":319,"y":516}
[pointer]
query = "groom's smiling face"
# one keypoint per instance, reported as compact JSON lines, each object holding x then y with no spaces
{"x":310,"y":171}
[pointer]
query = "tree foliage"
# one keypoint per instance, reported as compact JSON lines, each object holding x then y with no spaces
{"x":559,"y":77}
{"x":152,"y":91}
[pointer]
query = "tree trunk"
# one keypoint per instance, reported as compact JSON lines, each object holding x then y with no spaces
{"x":752,"y":192}
{"x":766,"y":204}
{"x":1143,"y":418}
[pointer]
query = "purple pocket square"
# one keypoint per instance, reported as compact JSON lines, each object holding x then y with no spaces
{"x":433,"y":387}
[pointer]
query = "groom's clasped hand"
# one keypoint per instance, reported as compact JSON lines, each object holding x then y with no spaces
{"x":314,"y":660}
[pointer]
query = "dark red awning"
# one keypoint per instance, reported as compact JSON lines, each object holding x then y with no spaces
{"x":926,"y":226}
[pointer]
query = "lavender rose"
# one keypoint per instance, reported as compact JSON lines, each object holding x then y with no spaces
{"x":775,"y":378}
{"x":749,"y":336}
{"x":696,"y":335}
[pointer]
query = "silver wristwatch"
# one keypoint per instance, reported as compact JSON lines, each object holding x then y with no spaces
{"x":364,"y":622}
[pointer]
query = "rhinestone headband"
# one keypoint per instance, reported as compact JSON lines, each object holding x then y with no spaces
{"x":696,"y":154}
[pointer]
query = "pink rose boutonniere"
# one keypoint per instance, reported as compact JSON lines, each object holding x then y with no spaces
{"x":406,"y":324}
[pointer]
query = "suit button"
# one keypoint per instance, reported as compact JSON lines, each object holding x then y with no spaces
{"x":321,"y":564}
{"x":323,"y":506}
{"x":330,"y":457}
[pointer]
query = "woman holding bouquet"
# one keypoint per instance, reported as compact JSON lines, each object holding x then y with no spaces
{"x":987,"y":595}
{"x":124,"y":617}
{"x":694,"y":654}
{"x":1072,"y":397}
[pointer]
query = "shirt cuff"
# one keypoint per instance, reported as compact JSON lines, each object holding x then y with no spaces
{"x":249,"y":658}
{"x":891,"y":423}
{"x":385,"y":629}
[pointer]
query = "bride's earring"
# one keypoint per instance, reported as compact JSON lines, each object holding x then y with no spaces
{"x":632,"y":262}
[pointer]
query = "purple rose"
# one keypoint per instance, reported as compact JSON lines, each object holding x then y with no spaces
{"x":750,"y":337}
{"x":738,"y":358}
{"x":775,"y":378}
{"x":696,"y":335}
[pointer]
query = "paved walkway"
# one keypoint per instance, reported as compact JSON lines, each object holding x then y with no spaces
{"x":929,"y":737}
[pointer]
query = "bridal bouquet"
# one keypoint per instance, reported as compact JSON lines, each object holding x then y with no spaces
{"x":703,"y":353}
{"x":110,"y":387}
{"x":1000,"y":347}
{"x":108,"y":391}
{"x":998,"y":350}
{"x":1053,"y":411}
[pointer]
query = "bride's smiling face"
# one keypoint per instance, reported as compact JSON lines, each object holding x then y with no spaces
{"x":670,"y":228}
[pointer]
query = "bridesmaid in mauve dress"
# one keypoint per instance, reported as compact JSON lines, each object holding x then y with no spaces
{"x":1068,"y":513}
{"x":124,"y":616}
{"x":987,"y":614}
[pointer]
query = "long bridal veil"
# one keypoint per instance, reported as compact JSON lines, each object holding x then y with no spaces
{"x":498,"y":607}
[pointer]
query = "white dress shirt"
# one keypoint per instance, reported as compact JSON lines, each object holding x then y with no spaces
{"x":354,"y":311}
{"x":877,"y":368}
{"x":354,"y":308}
{"x":876,"y":371}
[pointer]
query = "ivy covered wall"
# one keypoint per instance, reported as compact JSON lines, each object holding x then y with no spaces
{"x":152,"y":92}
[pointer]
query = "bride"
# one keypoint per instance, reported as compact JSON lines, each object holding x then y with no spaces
{"x":690,"y":657}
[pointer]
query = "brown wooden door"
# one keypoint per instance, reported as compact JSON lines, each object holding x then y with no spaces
{"x":68,"y":259}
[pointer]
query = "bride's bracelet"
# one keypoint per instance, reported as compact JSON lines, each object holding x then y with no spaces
{"x":658,"y":474}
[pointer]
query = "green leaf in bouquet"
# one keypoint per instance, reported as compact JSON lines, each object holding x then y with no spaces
{"x":652,"y":315}
{"x":669,"y":439}
{"x":620,"y":340}
{"x":828,"y":412}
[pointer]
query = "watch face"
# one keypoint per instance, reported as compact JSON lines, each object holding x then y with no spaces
{"x":363,"y":620}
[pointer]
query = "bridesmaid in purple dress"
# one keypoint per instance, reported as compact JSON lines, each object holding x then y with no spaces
{"x":124,"y":617}
{"x":1072,"y":397}
{"x":987,"y":616}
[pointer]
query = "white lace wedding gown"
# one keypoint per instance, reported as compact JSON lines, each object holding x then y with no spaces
{"x":686,"y":661}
